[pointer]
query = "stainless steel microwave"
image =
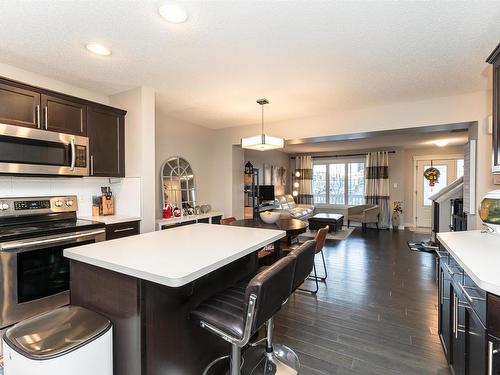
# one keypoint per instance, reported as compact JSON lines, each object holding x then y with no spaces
{"x":41,"y":152}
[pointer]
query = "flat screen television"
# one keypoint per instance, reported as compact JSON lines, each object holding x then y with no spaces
{"x":266,"y":193}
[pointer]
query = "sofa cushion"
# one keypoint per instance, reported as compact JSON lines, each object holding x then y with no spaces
{"x":290,"y":201}
{"x":282,"y":202}
{"x":300,"y":211}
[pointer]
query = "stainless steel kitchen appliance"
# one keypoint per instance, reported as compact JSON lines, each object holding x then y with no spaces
{"x":33,"y":234}
{"x":42,"y":152}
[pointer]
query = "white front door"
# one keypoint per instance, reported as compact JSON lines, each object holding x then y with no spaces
{"x":448,"y":169}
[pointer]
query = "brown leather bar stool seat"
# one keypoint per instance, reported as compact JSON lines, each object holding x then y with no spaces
{"x":236,"y":313}
{"x":273,"y":358}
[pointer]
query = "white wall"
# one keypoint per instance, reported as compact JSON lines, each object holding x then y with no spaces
{"x":474,"y":106}
{"x":272,"y":157}
{"x":140,"y":145}
{"x":193,"y":143}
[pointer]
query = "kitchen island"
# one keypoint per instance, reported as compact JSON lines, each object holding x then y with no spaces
{"x":148,"y":284}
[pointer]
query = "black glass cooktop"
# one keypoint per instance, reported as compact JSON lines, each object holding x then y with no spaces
{"x":21,"y":231}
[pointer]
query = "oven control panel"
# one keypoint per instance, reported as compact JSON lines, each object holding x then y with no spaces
{"x":37,"y":205}
{"x":31,"y":205}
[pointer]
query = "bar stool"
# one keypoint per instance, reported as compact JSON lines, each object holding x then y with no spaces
{"x":236,"y":313}
{"x":275,"y":358}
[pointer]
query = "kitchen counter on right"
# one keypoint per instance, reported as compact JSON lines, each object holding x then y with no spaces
{"x":478,"y":253}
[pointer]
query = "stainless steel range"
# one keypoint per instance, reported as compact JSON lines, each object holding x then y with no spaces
{"x":33,"y":234}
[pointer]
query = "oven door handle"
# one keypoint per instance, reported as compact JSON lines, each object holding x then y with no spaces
{"x":23,"y":244}
{"x":73,"y":154}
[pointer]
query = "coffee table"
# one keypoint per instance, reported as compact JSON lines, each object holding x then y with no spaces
{"x":334,"y":221}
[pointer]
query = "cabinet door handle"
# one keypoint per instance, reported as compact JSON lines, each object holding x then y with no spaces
{"x":491,"y":352}
{"x":450,"y":271}
{"x":442,"y":288}
{"x":46,"y":115}
{"x":37,"y":116}
{"x":467,"y":295}
{"x":123,"y":229}
{"x":91,"y":165}
{"x":454,"y":314}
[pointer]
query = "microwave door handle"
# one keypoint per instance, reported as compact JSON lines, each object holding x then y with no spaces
{"x":73,"y":154}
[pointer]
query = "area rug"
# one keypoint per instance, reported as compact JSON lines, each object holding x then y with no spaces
{"x":421,"y":246}
{"x":420,"y":230}
{"x":341,"y":234}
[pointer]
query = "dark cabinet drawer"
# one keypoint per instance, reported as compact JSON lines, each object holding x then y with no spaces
{"x":475,"y":297}
{"x":19,"y":106}
{"x":64,"y":115}
{"x":130,"y":228}
{"x":216,"y":219}
{"x":170,"y":226}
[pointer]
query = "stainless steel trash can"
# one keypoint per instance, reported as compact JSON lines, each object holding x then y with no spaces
{"x":69,"y":340}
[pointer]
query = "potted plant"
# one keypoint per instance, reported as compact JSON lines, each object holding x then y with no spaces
{"x":397,"y":210}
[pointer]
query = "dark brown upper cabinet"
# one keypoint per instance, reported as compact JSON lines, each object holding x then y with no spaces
{"x":39,"y":108}
{"x":64,"y":115}
{"x":494,"y":59}
{"x":19,"y":106}
{"x":106,"y":132}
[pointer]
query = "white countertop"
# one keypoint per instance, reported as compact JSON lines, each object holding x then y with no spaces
{"x":176,"y":256}
{"x":111,"y":219}
{"x":180,"y":219}
{"x":478,"y":254}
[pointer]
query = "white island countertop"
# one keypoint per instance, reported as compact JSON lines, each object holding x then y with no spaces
{"x":478,"y":254}
{"x":176,"y":256}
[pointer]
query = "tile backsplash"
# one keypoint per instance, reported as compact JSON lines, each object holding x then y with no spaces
{"x":127,"y":191}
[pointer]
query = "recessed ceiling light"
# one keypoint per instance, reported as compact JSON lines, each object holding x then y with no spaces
{"x":173,"y":12}
{"x":98,"y":49}
{"x":441,"y":143}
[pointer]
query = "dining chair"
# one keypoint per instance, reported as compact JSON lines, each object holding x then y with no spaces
{"x":228,"y":220}
{"x":320,"y":239}
{"x":320,"y":244}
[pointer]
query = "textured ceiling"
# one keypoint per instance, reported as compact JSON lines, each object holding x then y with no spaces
{"x":406,"y":141}
{"x":307,"y":57}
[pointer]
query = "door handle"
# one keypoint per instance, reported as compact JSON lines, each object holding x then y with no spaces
{"x":46,"y":115}
{"x":91,"y":165}
{"x":123,"y":229}
{"x":491,"y":353}
{"x":455,"y":314}
{"x":73,"y":154}
{"x":467,"y":295}
{"x":37,"y":116}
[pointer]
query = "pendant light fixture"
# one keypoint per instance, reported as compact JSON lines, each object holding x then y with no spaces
{"x":262,"y":142}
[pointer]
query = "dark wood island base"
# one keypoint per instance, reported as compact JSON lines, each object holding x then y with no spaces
{"x":152,"y":331}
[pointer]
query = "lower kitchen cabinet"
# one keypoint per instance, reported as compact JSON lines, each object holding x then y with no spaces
{"x":475,"y":344}
{"x":444,"y":310}
{"x":119,"y":230}
{"x":470,"y":348}
{"x":457,"y":341}
{"x":493,"y":360}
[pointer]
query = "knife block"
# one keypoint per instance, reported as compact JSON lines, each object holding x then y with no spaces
{"x":108,"y":206}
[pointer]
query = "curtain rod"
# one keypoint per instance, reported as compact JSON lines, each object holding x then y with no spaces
{"x":340,"y":156}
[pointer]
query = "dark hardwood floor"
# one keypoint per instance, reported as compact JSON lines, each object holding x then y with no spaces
{"x":376,"y":314}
